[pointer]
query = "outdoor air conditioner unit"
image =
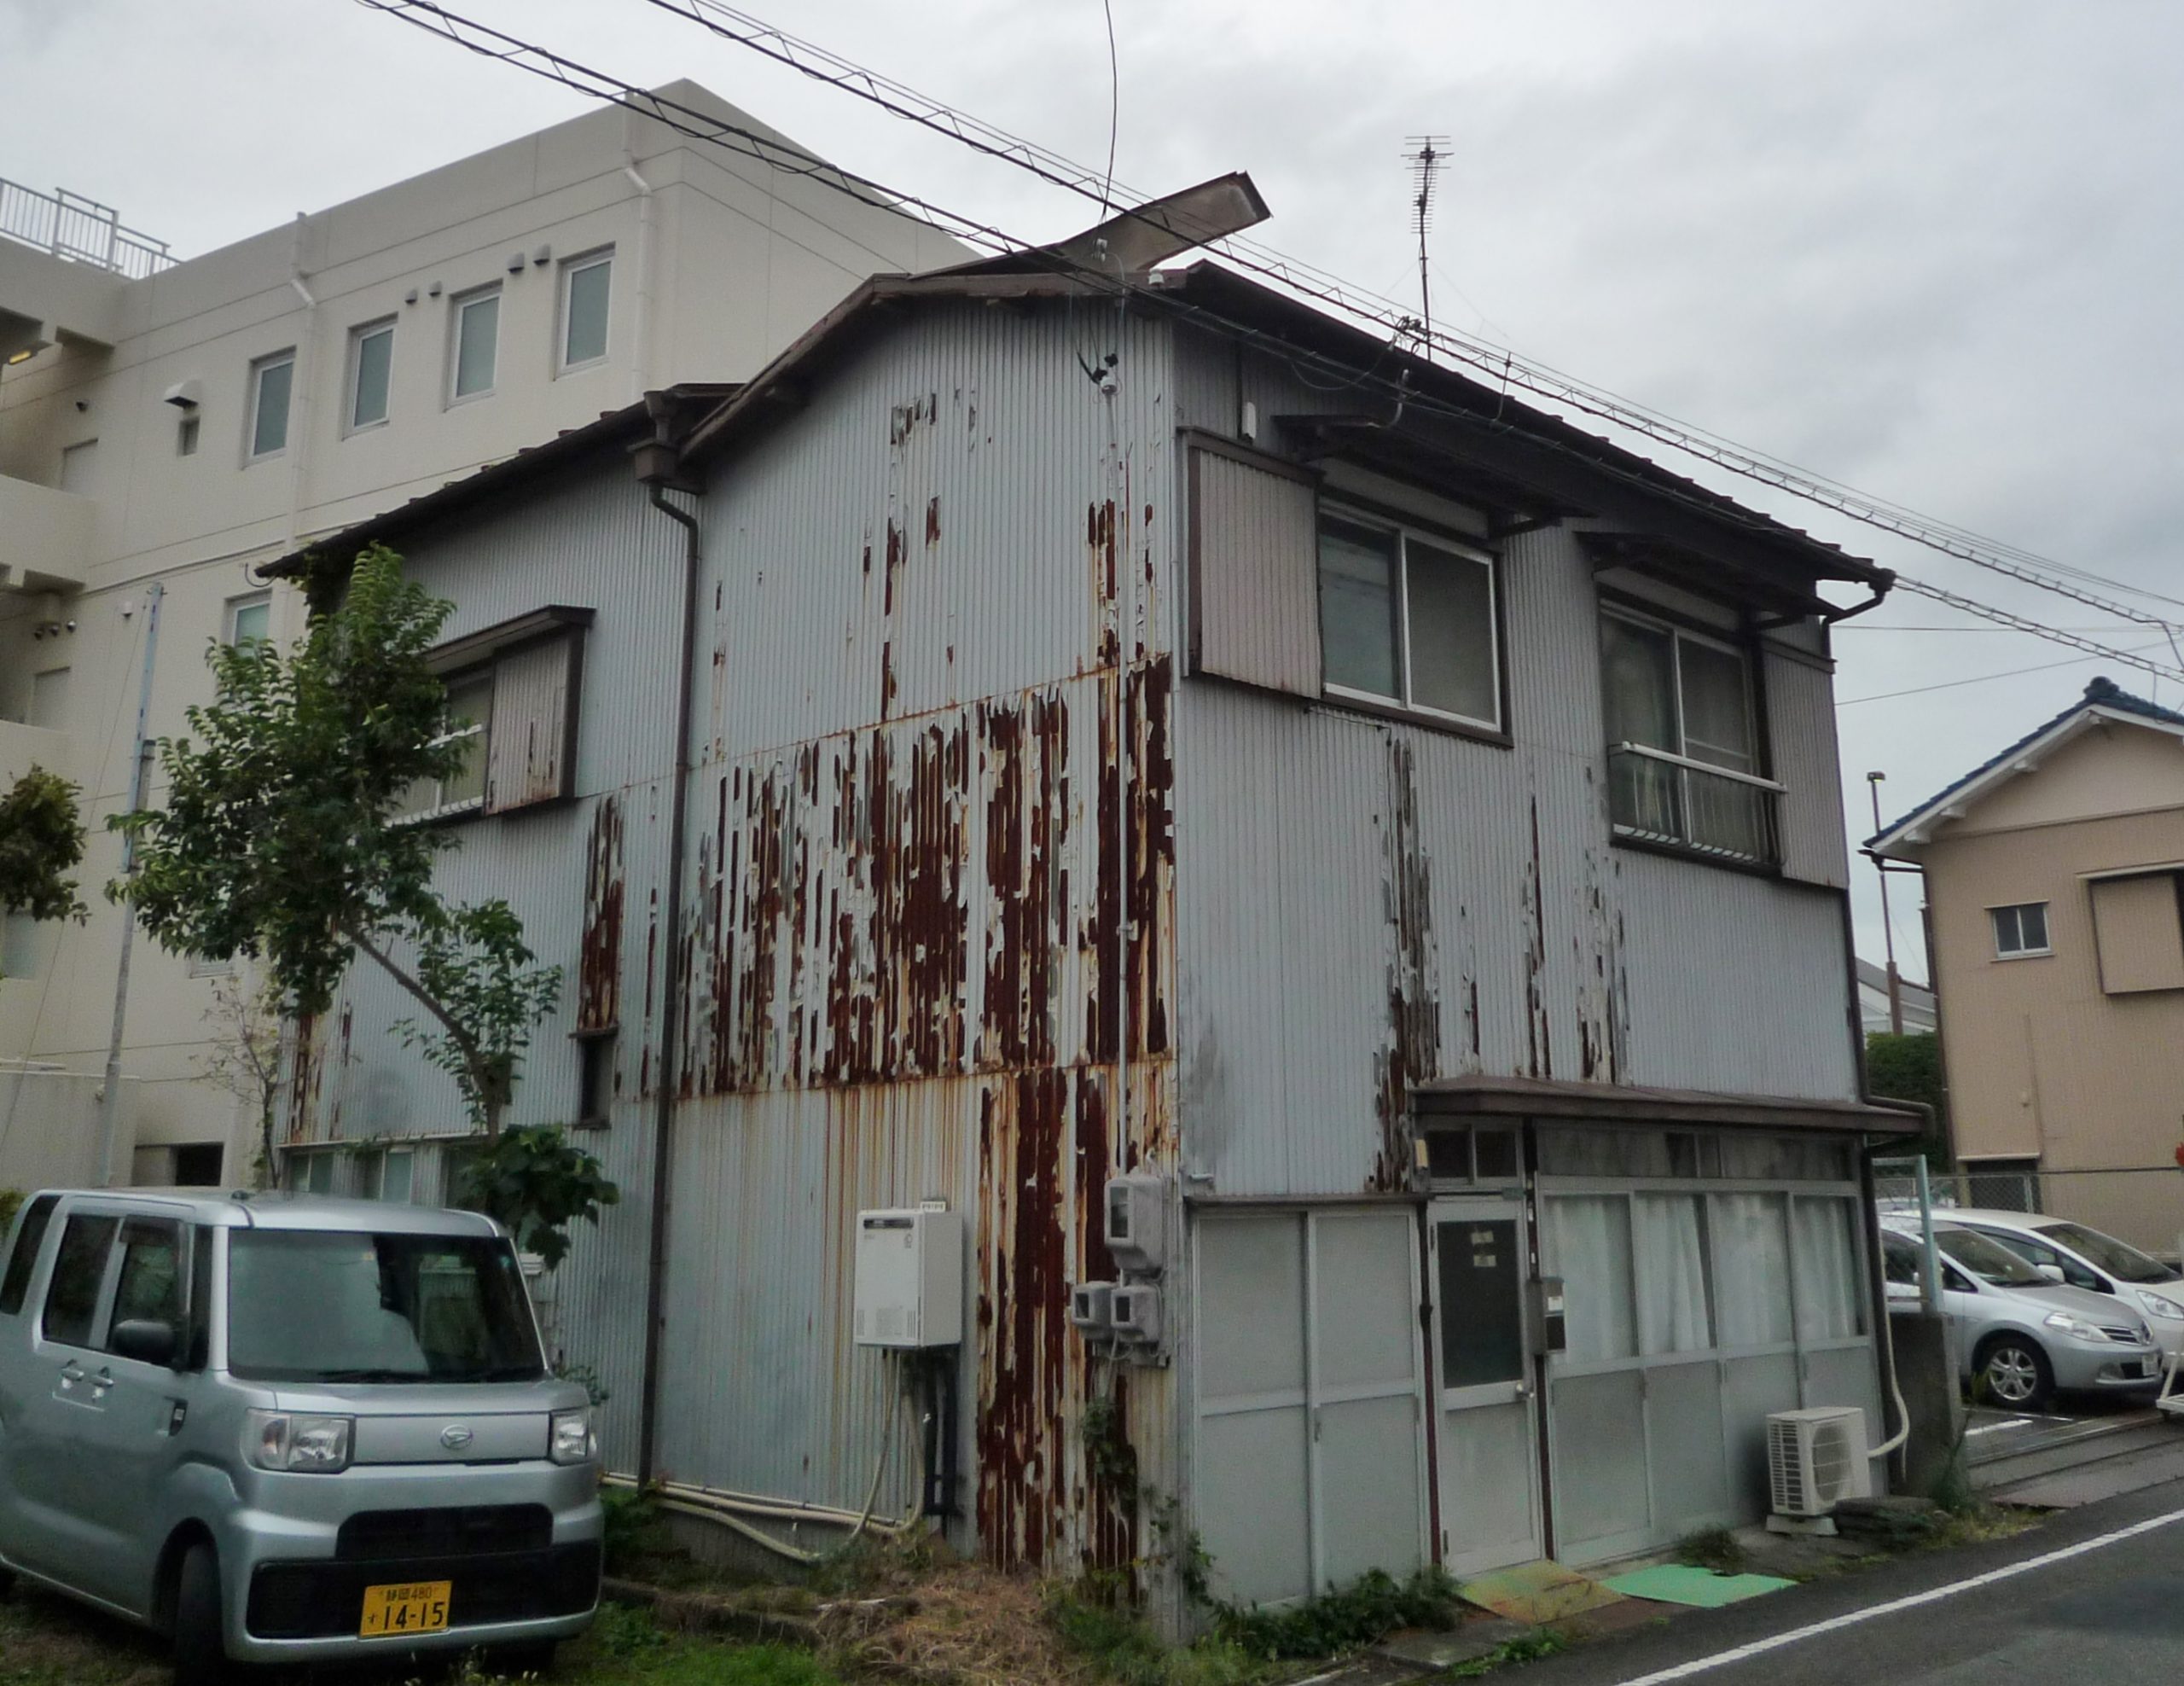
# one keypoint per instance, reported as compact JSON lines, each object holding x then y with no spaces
{"x":1815,"y":1458}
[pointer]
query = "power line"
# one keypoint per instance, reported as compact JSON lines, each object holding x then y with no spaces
{"x":746,"y":29}
{"x":1977,"y":679}
{"x":488,"y":41}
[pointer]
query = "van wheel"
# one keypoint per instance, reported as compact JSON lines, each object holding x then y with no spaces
{"x":201,"y":1656}
{"x":2013,"y":1373}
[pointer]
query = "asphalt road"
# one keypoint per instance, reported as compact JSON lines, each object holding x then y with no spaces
{"x":2107,"y":1610}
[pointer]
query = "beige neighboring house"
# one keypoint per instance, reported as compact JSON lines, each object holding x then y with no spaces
{"x":165,"y":426}
{"x":2055,"y":899}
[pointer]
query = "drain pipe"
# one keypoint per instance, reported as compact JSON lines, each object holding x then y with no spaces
{"x":658,"y":469}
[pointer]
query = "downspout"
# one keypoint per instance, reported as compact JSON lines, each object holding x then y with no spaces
{"x":658,"y":468}
{"x":306,"y":365}
{"x":640,"y":315}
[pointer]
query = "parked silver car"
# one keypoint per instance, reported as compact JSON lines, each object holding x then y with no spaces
{"x":2023,"y":1338}
{"x":289,"y":1428}
{"x":2079,"y":1257}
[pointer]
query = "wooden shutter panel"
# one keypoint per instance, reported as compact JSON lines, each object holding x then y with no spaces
{"x":531,"y":751}
{"x":2136,"y":923}
{"x":1255,"y":573}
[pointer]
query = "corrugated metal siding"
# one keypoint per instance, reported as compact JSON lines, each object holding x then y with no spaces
{"x":527,"y":749}
{"x":1256,"y":597}
{"x":586,"y":878}
{"x":1362,"y":901}
{"x":1801,"y":732}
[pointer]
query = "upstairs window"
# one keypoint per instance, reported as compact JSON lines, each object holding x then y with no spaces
{"x":512,"y":702}
{"x":2020,"y":930}
{"x":271,"y":381}
{"x":1407,"y":619}
{"x":1683,"y":742}
{"x":585,"y":284}
{"x":371,"y":372}
{"x":475,"y":353}
{"x":249,"y":619}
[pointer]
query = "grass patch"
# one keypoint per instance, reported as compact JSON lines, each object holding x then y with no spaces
{"x":1369,"y":1608}
{"x":1118,"y":1646}
{"x":1715,"y":1548}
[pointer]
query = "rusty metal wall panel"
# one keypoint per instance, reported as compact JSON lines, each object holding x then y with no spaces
{"x":1800,"y":702}
{"x":1255,"y":585}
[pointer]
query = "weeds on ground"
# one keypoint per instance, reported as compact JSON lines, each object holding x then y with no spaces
{"x":1370,"y":1608}
{"x":1528,"y":1647}
{"x":1118,"y":1646}
{"x":1715,"y":1548}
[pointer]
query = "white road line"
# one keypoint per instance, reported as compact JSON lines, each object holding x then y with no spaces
{"x":1775,"y":1642}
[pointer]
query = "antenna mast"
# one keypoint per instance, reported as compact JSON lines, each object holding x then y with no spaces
{"x":1426,"y":154}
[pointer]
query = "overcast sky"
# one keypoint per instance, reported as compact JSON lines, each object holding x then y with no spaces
{"x":1931,"y":251}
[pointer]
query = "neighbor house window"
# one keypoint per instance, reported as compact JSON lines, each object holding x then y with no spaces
{"x":584,"y":286}
{"x":2021,"y":929}
{"x":271,"y":381}
{"x":1684,"y":741}
{"x":371,"y":369}
{"x":477,"y":344}
{"x":1408,"y":619}
{"x":249,"y":618}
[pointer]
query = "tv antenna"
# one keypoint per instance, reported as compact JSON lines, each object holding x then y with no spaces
{"x":1427,"y":156}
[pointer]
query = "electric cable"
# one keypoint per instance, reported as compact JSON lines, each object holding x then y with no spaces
{"x":1977,"y":679}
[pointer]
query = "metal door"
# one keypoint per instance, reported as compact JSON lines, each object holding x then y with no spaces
{"x":1489,"y":1441}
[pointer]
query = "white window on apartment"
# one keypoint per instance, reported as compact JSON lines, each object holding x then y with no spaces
{"x":78,"y":464}
{"x":371,"y":369}
{"x":271,"y":379}
{"x":1408,"y":619}
{"x":248,"y":618}
{"x":474,"y":352}
{"x":1683,"y":740}
{"x":2020,"y":929}
{"x":585,"y":284}
{"x":512,"y":696}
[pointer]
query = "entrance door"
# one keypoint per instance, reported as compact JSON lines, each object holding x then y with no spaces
{"x":1490,"y":1416}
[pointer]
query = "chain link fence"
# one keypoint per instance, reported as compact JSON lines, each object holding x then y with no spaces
{"x":2142,"y":1204}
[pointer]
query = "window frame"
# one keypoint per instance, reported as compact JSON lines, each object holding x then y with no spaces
{"x":232,"y":609}
{"x":1636,"y":612}
{"x":1364,"y":513}
{"x":482,"y":731}
{"x":598,"y":257}
{"x":15,"y":1284}
{"x":458,"y":306}
{"x":259,"y":367}
{"x":2017,"y":911}
{"x":352,"y":384}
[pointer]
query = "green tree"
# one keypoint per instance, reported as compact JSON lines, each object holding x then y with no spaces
{"x":41,"y":844}
{"x":283,"y":840}
{"x":1909,"y":1067}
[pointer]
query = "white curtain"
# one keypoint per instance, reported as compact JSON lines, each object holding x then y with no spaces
{"x":1672,"y":1274}
{"x":1592,"y":1250}
{"x":1827,"y":1269}
{"x":1752,"y":1265}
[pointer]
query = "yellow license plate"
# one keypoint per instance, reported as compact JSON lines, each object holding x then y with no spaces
{"x":419,"y":1607}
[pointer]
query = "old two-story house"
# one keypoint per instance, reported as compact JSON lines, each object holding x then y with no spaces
{"x":1153,"y":727}
{"x":2053,"y":874}
{"x":168,"y":427}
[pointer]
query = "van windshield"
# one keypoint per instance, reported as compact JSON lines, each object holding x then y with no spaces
{"x":335,"y":1306}
{"x":1988,"y":1259}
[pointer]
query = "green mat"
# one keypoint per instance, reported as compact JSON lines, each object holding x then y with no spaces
{"x":1680,"y":1584}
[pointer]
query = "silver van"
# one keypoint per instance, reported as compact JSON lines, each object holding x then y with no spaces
{"x":287,"y":1428}
{"x":2023,"y":1338}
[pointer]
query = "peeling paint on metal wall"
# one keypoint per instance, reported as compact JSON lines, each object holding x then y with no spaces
{"x":1413,"y":1052}
{"x":599,"y":950}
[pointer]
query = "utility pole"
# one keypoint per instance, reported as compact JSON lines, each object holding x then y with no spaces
{"x":140,"y":753}
{"x":1887,"y":924}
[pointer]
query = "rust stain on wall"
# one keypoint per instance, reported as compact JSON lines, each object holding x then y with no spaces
{"x":1412,"y":1054}
{"x":1539,"y":1043}
{"x":599,"y":945}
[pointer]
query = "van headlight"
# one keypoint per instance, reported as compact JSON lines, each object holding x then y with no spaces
{"x":571,"y":1439}
{"x":2077,"y":1328}
{"x":2156,"y":1306}
{"x":284,"y":1440}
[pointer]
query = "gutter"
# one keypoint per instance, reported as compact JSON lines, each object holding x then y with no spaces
{"x":658,"y":468}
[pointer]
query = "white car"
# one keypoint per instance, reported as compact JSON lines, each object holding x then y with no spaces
{"x":2064,"y":1252}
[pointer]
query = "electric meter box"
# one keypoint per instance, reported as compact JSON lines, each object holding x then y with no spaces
{"x":909,"y":1278}
{"x":1137,"y":1225}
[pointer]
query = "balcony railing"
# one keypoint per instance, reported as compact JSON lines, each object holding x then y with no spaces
{"x":81,"y":229}
{"x":1660,"y":798}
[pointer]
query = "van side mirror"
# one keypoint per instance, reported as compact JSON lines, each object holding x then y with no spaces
{"x":145,"y":1340}
{"x":2052,"y":1272}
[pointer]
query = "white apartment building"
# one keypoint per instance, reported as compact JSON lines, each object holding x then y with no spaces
{"x":165,"y":426}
